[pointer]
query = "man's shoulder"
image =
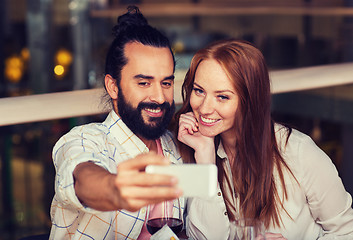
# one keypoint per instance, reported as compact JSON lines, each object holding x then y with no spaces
{"x":90,"y":128}
{"x":91,"y":131}
{"x":170,"y":147}
{"x":169,"y":138}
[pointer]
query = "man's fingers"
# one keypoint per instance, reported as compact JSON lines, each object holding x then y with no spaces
{"x":145,"y":180}
{"x":274,"y":236}
{"x":141,"y":161}
{"x":137,"y":197}
{"x":136,"y":204}
{"x":155,"y":194}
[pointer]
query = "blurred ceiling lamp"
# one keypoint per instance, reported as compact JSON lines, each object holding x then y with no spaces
{"x":63,"y":57}
{"x":25,"y":54}
{"x":59,"y":70}
{"x":14,"y":69}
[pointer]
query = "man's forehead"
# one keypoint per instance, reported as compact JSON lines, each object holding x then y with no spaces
{"x":134,"y":49}
{"x":148,"y":60}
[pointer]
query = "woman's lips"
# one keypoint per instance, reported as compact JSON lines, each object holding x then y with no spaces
{"x":208,"y":121}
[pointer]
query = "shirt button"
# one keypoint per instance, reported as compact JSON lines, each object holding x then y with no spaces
{"x":143,"y":210}
{"x":225,"y":213}
{"x":219,"y":193}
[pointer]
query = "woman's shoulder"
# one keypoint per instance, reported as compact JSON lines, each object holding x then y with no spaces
{"x":299,"y":150}
{"x":290,"y":136}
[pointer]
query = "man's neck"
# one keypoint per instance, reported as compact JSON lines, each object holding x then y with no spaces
{"x":151,"y":144}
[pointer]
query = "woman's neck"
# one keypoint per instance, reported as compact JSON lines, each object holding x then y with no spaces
{"x":229,"y":147}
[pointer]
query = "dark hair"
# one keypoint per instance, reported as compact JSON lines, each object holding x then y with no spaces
{"x":257,"y":153}
{"x":131,"y":27}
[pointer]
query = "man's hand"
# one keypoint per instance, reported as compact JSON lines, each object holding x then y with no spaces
{"x":136,"y":188}
{"x":130,"y":189}
{"x":274,"y":236}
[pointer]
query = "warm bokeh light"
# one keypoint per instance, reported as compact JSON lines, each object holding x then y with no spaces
{"x":178,"y":47}
{"x":14,"y":69}
{"x":59,"y":70}
{"x":25,"y":54}
{"x":63,"y":57}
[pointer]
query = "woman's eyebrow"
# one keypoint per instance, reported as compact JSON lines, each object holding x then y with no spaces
{"x":218,"y":91}
{"x":197,"y":85}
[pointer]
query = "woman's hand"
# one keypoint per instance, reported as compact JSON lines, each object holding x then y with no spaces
{"x":189,"y":134}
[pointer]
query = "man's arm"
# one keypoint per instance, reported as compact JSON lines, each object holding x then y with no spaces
{"x":131,"y":188}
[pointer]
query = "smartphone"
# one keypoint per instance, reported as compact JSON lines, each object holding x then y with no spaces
{"x":196,"y":180}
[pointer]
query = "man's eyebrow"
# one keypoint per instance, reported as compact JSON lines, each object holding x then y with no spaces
{"x":171,"y":77}
{"x":141,"y":76}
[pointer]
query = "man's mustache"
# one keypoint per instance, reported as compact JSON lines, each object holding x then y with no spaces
{"x":163,"y":106}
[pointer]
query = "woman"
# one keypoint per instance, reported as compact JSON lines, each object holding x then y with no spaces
{"x":266,"y":171}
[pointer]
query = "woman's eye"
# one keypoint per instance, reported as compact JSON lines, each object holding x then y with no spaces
{"x":223,"y":97}
{"x":198,"y":91}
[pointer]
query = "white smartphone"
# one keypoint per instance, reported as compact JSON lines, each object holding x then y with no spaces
{"x":196,"y":180}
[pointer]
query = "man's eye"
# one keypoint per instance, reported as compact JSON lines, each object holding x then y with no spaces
{"x":167,"y":84}
{"x":143,"y":83}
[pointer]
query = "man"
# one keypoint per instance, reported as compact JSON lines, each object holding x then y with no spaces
{"x":101,"y":187}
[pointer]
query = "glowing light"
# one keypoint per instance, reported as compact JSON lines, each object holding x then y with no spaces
{"x":63,"y":57}
{"x":14,"y":69}
{"x":178,"y":47}
{"x":25,"y":54}
{"x":59,"y":70}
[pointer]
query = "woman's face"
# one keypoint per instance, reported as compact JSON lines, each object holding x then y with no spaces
{"x":213,"y":99}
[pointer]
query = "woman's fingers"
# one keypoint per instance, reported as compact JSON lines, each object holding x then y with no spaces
{"x":188,"y":121}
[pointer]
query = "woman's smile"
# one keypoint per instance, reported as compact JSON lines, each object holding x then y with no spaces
{"x":208,"y":121}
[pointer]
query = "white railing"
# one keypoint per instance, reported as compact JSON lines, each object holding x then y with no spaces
{"x":42,"y":107}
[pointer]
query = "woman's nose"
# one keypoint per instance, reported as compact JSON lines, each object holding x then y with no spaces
{"x":207,"y":106}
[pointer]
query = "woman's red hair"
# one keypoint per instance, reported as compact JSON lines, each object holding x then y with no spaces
{"x":257,"y":153}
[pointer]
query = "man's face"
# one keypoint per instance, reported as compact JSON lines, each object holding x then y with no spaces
{"x":145,"y":97}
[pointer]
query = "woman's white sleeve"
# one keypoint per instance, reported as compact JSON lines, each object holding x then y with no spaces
{"x":207,"y":218}
{"x":330,"y":204}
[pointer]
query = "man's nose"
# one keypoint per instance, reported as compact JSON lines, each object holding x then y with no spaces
{"x":157,"y":94}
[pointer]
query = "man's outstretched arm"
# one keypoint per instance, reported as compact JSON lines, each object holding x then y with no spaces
{"x":130,"y":189}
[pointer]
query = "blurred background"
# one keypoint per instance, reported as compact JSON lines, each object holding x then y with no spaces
{"x":51,"y":46}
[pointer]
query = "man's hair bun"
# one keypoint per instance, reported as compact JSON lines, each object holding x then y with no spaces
{"x":132,"y":19}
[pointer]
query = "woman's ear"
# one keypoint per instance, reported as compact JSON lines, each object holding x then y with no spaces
{"x":111,"y":86}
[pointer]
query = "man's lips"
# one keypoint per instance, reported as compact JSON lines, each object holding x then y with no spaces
{"x":156,"y":112}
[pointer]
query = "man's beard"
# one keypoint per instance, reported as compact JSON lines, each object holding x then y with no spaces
{"x":132,"y":117}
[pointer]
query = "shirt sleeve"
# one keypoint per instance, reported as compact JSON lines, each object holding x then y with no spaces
{"x":207,"y":218}
{"x":330,"y":204}
{"x":71,"y":150}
